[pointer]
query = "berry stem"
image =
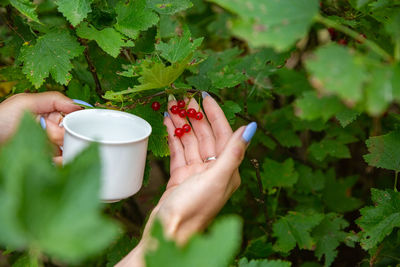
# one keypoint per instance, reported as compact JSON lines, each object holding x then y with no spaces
{"x":355,"y":35}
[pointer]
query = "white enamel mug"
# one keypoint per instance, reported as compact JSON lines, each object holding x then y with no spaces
{"x":122,"y":139}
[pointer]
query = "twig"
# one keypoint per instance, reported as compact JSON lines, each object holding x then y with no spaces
{"x":92,"y":70}
{"x":375,"y":256}
{"x":263,"y":200}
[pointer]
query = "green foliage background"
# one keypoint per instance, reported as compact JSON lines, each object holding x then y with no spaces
{"x":322,"y":79}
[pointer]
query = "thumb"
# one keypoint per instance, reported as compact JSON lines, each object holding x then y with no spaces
{"x":233,"y":153}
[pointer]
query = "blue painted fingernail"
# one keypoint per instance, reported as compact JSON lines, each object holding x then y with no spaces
{"x":81,"y":102}
{"x":166,"y":114}
{"x":204,"y":94}
{"x":249,"y":131}
{"x":43,"y":123}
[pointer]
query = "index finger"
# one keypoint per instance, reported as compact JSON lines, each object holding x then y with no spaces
{"x":47,"y":102}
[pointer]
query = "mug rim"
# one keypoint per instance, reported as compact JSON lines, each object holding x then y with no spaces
{"x":125,"y":114}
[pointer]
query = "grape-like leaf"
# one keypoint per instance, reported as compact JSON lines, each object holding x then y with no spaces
{"x":271,"y":23}
{"x":179,"y":48}
{"x":328,"y":147}
{"x":309,"y":181}
{"x":230,"y":109}
{"x":169,"y":6}
{"x":335,"y":70}
{"x":74,"y":10}
{"x":328,"y":235}
{"x":276,"y":174}
{"x":310,"y":105}
{"x":50,"y":55}
{"x":220,"y":246}
{"x":384,"y":151}
{"x":133,"y":17}
{"x":337,"y":193}
{"x":243,"y":262}
{"x":41,"y":203}
{"x":26,"y":7}
{"x":380,"y":220}
{"x":347,"y":116}
{"x":108,"y":39}
{"x":295,"y":228}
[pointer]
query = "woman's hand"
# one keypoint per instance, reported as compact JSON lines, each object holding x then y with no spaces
{"x":197,"y":190}
{"x":49,"y":105}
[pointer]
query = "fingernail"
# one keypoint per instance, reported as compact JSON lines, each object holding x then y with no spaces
{"x":81,"y":102}
{"x":204,"y":94}
{"x":166,"y":114}
{"x":43,"y":123}
{"x":171,"y":97}
{"x":249,"y":131}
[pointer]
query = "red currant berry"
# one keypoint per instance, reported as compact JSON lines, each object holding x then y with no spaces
{"x":191,"y":113}
{"x":342,"y":42}
{"x":199,"y":116}
{"x":186,"y":128}
{"x":179,"y":132}
{"x":332,"y":33}
{"x":250,"y":81}
{"x":181,"y":104}
{"x":182,"y":113}
{"x":174,"y":109}
{"x":155,"y":106}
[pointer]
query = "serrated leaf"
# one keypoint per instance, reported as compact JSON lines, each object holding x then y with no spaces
{"x":133,"y":17}
{"x":337,"y":193}
{"x":384,"y":151}
{"x":31,"y":186}
{"x":243,"y":262}
{"x":328,"y":147}
{"x":380,"y":220}
{"x":309,"y":181}
{"x":328,"y":235}
{"x":276,"y":174}
{"x":347,"y":116}
{"x":271,"y":23}
{"x":379,"y":91}
{"x":26,"y":7}
{"x":108,"y":39}
{"x":158,"y":144}
{"x":335,"y":70}
{"x":169,"y":6}
{"x":179,"y":48}
{"x":230,"y":109}
{"x":220,"y":246}
{"x":258,"y":248}
{"x":74,"y":10}
{"x":77,"y":91}
{"x":51,"y":54}
{"x":295,"y":228}
{"x":310,"y":105}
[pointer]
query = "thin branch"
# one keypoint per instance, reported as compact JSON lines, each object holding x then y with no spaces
{"x":376,"y":255}
{"x":263,"y":200}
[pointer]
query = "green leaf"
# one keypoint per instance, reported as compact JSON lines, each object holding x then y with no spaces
{"x":337,"y":193}
{"x":179,"y":48}
{"x":310,"y":105}
{"x":77,"y":91}
{"x":169,"y":6}
{"x":133,"y":16}
{"x":384,"y":151}
{"x":41,"y":202}
{"x":215,"y":249}
{"x":329,"y":235}
{"x":295,"y":228}
{"x":230,"y":109}
{"x":347,"y":116}
{"x":243,"y":262}
{"x":158,"y":138}
{"x":291,"y":82}
{"x":26,"y":7}
{"x":379,"y":91}
{"x":120,"y":249}
{"x":108,"y":39}
{"x":74,"y":10}
{"x":328,"y":147}
{"x":276,"y":174}
{"x":258,"y":248}
{"x":380,"y":220}
{"x":309,"y":181}
{"x":50,"y":55}
{"x":336,"y":70}
{"x":271,"y":23}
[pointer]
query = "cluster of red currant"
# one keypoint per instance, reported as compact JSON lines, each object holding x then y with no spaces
{"x":179,"y":109}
